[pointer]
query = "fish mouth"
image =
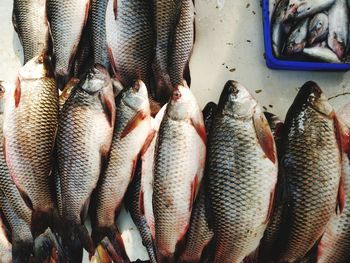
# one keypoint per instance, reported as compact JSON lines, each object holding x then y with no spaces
{"x":295,"y":48}
{"x":290,"y":13}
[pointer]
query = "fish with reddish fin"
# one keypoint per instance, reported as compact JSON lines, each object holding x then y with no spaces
{"x":241,"y":174}
{"x":29,"y":138}
{"x":70,"y":17}
{"x":181,"y":134}
{"x":199,"y":234}
{"x":132,"y":132}
{"x":268,"y":244}
{"x":83,"y":142}
{"x":311,"y":163}
{"x":335,"y":243}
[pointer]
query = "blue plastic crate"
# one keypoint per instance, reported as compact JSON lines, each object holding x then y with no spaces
{"x":275,"y":63}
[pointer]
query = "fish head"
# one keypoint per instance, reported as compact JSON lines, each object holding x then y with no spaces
{"x":297,"y":8}
{"x":36,"y":68}
{"x":312,"y":96}
{"x":182,"y":104}
{"x":236,"y":101}
{"x":136,"y":97}
{"x":95,"y":80}
{"x":318,"y":26}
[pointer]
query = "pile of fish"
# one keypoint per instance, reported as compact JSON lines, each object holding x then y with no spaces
{"x":212,"y":186}
{"x":311,"y":30}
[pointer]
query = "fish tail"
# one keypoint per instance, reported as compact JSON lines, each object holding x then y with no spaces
{"x":22,"y":249}
{"x":166,"y":258}
{"x":111,"y":241}
{"x":41,"y":221}
{"x":62,"y":80}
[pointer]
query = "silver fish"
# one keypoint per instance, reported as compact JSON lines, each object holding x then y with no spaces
{"x":321,"y":53}
{"x":181,"y":134}
{"x":318,"y":28}
{"x":298,"y":9}
{"x":338,"y":28}
{"x":297,"y":39}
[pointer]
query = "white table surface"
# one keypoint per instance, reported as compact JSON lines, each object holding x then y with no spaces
{"x":229,"y":45}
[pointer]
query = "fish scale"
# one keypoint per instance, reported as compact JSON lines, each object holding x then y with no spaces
{"x":240,"y":178}
{"x":98,"y":28}
{"x":311,"y":163}
{"x":335,"y":243}
{"x":83,"y":142}
{"x":180,"y":135}
{"x":29,"y":19}
{"x":130,"y":39}
{"x":66,"y":16}
{"x":182,"y":44}
{"x":29,"y":138}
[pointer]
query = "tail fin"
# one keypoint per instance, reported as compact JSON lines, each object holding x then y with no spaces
{"x":75,"y":237}
{"x":41,"y":221}
{"x":110,"y":239}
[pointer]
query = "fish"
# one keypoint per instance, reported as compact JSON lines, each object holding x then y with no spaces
{"x":131,"y":133}
{"x":30,"y":23}
{"x":135,"y":205}
{"x":298,"y":9}
{"x":177,"y":177}
{"x":267,"y":248}
{"x":84,"y":138}
{"x":279,"y":30}
{"x":199,"y":234}
{"x":7,"y":186}
{"x":318,"y":28}
{"x":311,"y":163}
{"x":21,"y":236}
{"x":335,"y":242}
{"x":241,"y":174}
{"x":70,"y":17}
{"x":129,"y":31}
{"x":5,"y":244}
{"x":166,"y":16}
{"x":182,"y":44}
{"x":338,"y":27}
{"x":30,"y":126}
{"x":321,"y":53}
{"x":297,"y":39}
{"x":98,"y":31}
{"x":84,"y":57}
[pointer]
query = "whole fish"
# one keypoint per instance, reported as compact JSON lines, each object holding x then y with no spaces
{"x":338,"y":27}
{"x":29,"y":21}
{"x":5,"y":244}
{"x":311,"y":162}
{"x":335,"y":242}
{"x":268,"y":244}
{"x":133,"y":127}
{"x":140,"y":196}
{"x":199,"y":234}
{"x":98,"y":31}
{"x":83,"y":142}
{"x":241,"y":174}
{"x":298,"y":9}
{"x":182,"y":44}
{"x":21,"y":236}
{"x":30,"y":125}
{"x":135,"y":204}
{"x":7,"y":186}
{"x":297,"y":39}
{"x":129,"y":32}
{"x":166,"y":16}
{"x":279,"y":29}
{"x":66,"y":19}
{"x":321,"y":53}
{"x":318,"y":28}
{"x":177,"y":177}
